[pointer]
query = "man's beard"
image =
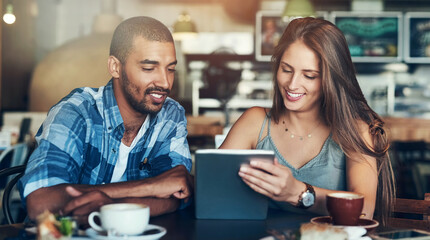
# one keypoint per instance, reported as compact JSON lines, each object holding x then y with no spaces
{"x":141,"y":106}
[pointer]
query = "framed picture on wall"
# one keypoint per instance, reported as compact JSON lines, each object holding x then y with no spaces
{"x":269,"y":27}
{"x":372,"y":37}
{"x":417,"y":37}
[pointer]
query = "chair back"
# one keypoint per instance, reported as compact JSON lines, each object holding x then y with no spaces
{"x":18,"y":171}
{"x":419,"y":210}
{"x":421,"y":177}
{"x":411,"y":164}
{"x":18,"y":155}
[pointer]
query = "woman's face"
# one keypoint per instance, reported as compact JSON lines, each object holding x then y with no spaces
{"x":299,"y":78}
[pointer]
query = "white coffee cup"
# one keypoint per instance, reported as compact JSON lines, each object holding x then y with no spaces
{"x":121,"y":218}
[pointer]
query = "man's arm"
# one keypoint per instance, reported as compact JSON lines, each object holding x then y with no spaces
{"x":81,"y":202}
{"x":175,"y":182}
{"x":84,"y":203}
{"x":161,"y":193}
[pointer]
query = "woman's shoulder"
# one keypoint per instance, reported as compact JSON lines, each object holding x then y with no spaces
{"x":256,"y":112}
{"x":364,"y":131}
{"x":244,"y":133}
{"x":254,"y":115}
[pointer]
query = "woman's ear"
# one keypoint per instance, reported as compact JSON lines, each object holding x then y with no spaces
{"x":114,"y":66}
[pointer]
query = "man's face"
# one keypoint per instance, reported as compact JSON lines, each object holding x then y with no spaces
{"x":147,"y":76}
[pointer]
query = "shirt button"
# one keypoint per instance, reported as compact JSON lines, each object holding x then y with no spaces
{"x":143,"y":163}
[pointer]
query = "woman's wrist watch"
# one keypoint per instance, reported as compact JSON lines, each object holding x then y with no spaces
{"x":307,"y":198}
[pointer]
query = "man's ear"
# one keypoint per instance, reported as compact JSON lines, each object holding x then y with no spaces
{"x":114,"y":66}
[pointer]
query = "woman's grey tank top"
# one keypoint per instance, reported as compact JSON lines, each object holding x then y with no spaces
{"x":326,"y":170}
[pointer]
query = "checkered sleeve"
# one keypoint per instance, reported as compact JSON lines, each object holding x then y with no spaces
{"x":58,"y":157}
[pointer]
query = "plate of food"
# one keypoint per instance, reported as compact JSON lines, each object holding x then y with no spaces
{"x":50,"y":226}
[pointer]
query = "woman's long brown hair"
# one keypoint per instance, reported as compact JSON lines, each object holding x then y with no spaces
{"x":342,"y":103}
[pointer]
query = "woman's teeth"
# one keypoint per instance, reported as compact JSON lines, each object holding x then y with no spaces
{"x":295,"y":95}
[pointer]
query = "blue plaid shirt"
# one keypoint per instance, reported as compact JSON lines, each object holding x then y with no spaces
{"x":79,"y":142}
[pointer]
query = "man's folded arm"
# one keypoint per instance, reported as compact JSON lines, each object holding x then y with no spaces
{"x":164,"y":187}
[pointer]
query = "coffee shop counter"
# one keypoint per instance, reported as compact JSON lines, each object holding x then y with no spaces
{"x":204,"y":126}
{"x":399,"y":128}
{"x":408,"y":129}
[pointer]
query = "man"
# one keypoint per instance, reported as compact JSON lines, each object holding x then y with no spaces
{"x":124,"y":142}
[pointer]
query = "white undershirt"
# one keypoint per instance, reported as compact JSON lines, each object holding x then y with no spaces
{"x":124,"y":150}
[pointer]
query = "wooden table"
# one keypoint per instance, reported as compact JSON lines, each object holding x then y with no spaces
{"x":12,"y":231}
{"x":182,"y":225}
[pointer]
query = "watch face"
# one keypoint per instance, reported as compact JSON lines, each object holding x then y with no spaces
{"x":308,"y":199}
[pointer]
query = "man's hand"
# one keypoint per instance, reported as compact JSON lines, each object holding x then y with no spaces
{"x":83,"y":203}
{"x":176,"y":182}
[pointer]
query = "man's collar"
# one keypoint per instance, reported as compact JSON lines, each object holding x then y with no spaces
{"x":112,"y":115}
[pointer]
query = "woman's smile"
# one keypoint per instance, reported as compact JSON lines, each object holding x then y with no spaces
{"x":294,"y":96}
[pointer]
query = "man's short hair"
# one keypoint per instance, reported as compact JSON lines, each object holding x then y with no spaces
{"x":146,"y":27}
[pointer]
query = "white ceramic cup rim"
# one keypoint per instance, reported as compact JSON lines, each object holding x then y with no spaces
{"x":123,"y":207}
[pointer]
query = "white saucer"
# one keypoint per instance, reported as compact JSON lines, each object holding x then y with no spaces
{"x":368,"y":224}
{"x":96,"y":235}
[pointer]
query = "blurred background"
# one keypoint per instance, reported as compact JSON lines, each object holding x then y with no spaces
{"x":223,"y":49}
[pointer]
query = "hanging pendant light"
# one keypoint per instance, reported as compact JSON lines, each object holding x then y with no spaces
{"x":296,"y":9}
{"x":9,"y":17}
{"x":184,"y":27}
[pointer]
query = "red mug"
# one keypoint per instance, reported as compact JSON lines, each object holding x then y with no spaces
{"x":345,"y":208}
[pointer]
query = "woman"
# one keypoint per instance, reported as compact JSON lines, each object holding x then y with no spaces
{"x":325,"y":136}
